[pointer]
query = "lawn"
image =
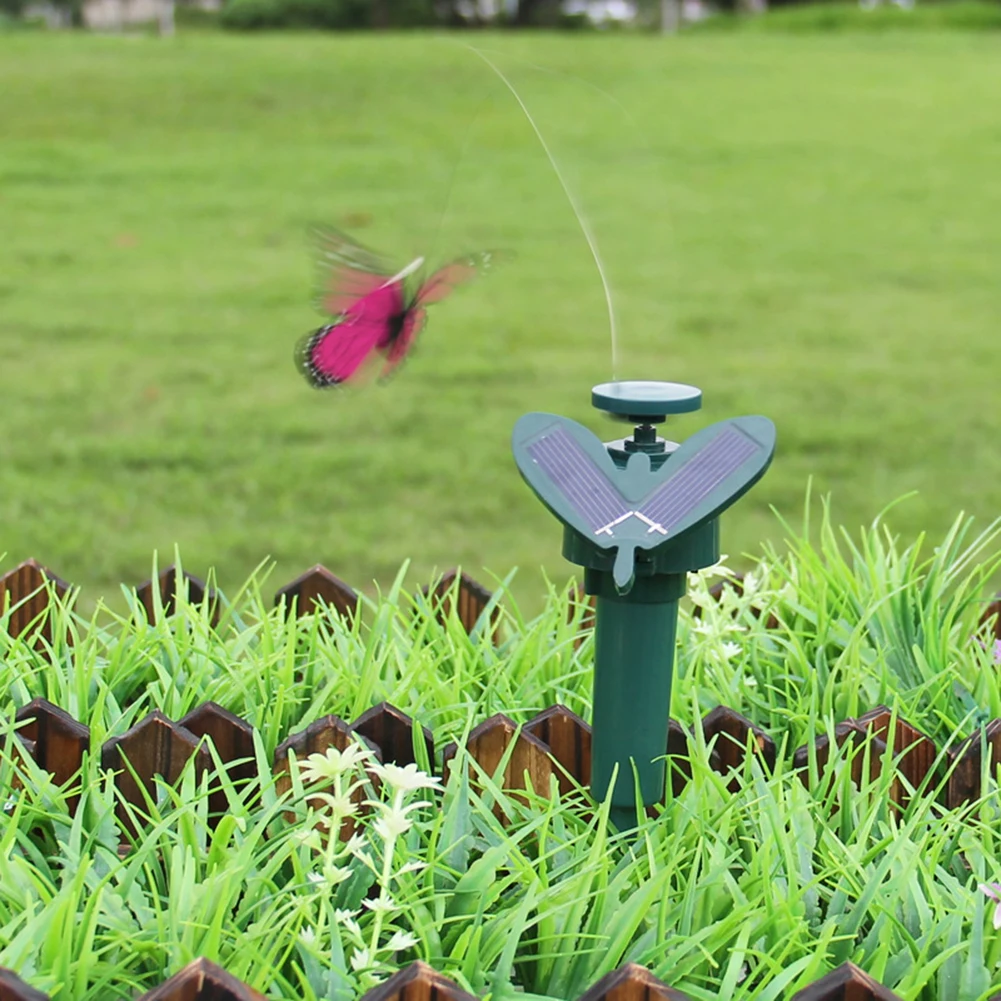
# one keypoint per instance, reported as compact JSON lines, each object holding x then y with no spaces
{"x":804,"y":226}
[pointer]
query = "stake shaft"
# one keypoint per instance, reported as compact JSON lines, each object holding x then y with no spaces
{"x":633,"y":670}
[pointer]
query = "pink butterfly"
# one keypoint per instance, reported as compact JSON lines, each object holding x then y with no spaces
{"x":374,"y":312}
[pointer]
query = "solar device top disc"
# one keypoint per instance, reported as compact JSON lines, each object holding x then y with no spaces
{"x":640,"y":400}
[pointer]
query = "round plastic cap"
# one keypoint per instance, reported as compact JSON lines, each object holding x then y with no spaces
{"x":638,"y":398}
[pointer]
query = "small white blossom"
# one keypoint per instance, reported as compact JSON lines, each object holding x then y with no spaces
{"x":718,"y":569}
{"x":386,"y":905}
{"x":401,"y":940}
{"x":307,"y":936}
{"x":393,"y":822}
{"x":329,"y":875}
{"x":332,"y":763}
{"x":409,"y":778}
{"x":730,"y":650}
{"x":309,"y":838}
{"x":354,"y":844}
{"x":346,"y":919}
{"x":334,"y":874}
{"x":340,"y":806}
{"x":366,"y":860}
{"x":361,"y":959}
{"x":412,"y":867}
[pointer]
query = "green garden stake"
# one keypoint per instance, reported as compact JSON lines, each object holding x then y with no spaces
{"x":638,"y":514}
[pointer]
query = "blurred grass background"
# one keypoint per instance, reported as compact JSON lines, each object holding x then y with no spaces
{"x":804,"y":225}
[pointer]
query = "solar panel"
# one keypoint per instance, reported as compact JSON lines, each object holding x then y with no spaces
{"x":697,"y":479}
{"x":574,"y":474}
{"x":639,"y":507}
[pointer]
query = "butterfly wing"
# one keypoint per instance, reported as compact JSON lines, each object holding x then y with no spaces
{"x":348,"y":271}
{"x":441,"y":283}
{"x":335,"y":353}
{"x":436,"y":288}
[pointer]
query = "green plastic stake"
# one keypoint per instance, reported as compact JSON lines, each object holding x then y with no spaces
{"x":638,"y":514}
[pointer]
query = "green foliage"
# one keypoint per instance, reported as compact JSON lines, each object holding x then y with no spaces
{"x":327,"y":14}
{"x":747,"y":895}
{"x":250,"y":15}
{"x":188,"y":17}
{"x":859,"y":623}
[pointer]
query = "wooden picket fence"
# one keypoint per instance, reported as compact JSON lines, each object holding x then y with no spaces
{"x":554,"y":743}
{"x":204,"y":981}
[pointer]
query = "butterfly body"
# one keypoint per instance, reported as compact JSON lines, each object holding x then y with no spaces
{"x":375,"y":315}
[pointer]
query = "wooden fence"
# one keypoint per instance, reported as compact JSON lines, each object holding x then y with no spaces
{"x":204,"y":981}
{"x":555,"y":742}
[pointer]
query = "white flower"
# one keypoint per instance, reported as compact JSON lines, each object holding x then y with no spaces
{"x":333,"y":763}
{"x":309,"y":838}
{"x":401,"y":940}
{"x":699,"y":599}
{"x":730,"y":650}
{"x":394,"y":820}
{"x":307,"y":936}
{"x":718,"y":569}
{"x":335,"y":874}
{"x":340,"y":806}
{"x":354,"y":844}
{"x":385,"y":905}
{"x":366,"y":860}
{"x":750,"y":681}
{"x":346,"y":919}
{"x":412,"y":867}
{"x":406,"y":779}
{"x":329,"y":875}
{"x":360,"y":960}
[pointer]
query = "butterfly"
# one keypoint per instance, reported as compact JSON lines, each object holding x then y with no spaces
{"x":377,"y":311}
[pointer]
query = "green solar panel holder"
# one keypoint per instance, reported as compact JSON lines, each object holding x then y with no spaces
{"x":638,"y":516}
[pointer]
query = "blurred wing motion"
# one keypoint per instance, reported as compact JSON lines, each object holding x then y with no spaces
{"x":413,"y":323}
{"x":436,"y":288}
{"x":348,"y":271}
{"x":441,"y":283}
{"x":372,"y":311}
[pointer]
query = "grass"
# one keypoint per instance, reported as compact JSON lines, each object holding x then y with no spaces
{"x":805,"y":227}
{"x":748,"y":895}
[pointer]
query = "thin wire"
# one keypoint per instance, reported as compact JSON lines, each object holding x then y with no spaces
{"x":582,"y":222}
